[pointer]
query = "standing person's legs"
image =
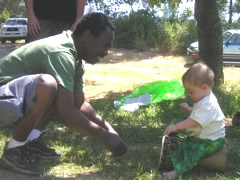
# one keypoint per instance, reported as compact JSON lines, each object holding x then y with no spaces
{"x":49,"y":28}
{"x":27,"y":99}
{"x":45,"y":29}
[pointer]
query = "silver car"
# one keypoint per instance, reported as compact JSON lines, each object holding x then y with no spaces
{"x":231,"y":47}
{"x":13,"y":29}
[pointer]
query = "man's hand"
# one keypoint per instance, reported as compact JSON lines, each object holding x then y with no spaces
{"x":115,"y":144}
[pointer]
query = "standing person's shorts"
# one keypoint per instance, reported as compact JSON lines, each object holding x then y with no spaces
{"x":16,"y":97}
{"x":49,"y":28}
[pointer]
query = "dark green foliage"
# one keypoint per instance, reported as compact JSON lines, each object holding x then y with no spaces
{"x":143,"y":30}
{"x":166,"y":32}
{"x":10,"y":9}
{"x":234,"y":25}
{"x":185,"y":35}
{"x":176,"y":37}
{"x":4,"y":15}
{"x":136,"y":31}
{"x":230,"y":101}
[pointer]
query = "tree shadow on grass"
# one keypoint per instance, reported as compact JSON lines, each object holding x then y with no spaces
{"x":143,"y":149}
{"x":141,"y":130}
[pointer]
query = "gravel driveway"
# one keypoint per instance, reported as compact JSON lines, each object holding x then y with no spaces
{"x":8,"y":47}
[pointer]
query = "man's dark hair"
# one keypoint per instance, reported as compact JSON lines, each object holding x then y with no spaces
{"x":94,"y":22}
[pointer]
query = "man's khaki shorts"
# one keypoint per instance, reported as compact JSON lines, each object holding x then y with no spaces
{"x":16,"y":97}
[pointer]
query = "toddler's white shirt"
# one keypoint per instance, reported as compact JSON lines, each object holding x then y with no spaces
{"x":209,"y":115}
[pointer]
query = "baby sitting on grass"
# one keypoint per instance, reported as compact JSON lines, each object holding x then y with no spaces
{"x":205,"y":125}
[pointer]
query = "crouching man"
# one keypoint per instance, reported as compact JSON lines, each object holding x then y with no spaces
{"x":45,"y":78}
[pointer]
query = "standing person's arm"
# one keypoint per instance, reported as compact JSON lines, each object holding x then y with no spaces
{"x":79,"y":12}
{"x":33,"y":24}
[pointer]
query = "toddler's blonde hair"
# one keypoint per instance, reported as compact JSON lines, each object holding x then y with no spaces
{"x":198,"y":74}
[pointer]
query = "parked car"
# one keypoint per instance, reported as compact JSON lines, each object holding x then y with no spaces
{"x":13,"y":29}
{"x":231,"y":47}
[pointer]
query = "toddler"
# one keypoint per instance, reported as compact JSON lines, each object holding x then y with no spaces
{"x":205,"y":125}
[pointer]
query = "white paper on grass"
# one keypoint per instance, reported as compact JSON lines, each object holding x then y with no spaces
{"x":132,"y":104}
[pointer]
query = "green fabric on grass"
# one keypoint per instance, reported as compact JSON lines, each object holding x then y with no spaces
{"x":160,"y":91}
{"x":191,"y":150}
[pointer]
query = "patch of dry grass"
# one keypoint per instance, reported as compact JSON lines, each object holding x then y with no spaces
{"x":123,"y":70}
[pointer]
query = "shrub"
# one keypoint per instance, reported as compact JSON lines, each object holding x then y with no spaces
{"x":186,"y":33}
{"x":166,"y":33}
{"x":142,"y":30}
{"x":4,"y":16}
{"x":136,"y":31}
{"x":176,"y":37}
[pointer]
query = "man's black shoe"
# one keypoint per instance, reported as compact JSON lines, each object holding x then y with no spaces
{"x":39,"y":148}
{"x":21,"y":160}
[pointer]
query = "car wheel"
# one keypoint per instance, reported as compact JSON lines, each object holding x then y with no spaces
{"x":13,"y":41}
{"x":3,"y":41}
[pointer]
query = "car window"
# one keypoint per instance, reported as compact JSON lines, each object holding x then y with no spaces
{"x":226,"y":35}
{"x":234,"y":40}
{"x":21,"y":22}
{"x":11,"y":22}
{"x":16,"y":22}
{"x":237,"y":40}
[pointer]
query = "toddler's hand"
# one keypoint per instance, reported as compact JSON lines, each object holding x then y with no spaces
{"x":171,"y":128}
{"x":184,"y":106}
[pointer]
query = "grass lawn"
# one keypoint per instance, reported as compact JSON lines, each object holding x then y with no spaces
{"x":117,"y":75}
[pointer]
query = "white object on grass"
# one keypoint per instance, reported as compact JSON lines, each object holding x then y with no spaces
{"x":132,"y":104}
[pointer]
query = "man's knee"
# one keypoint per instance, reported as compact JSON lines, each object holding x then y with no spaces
{"x":47,"y":83}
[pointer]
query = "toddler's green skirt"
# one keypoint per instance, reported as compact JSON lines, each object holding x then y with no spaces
{"x":191,"y":150}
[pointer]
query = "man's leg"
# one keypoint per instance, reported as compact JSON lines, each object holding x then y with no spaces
{"x":19,"y":157}
{"x":35,"y":142}
{"x":45,"y":95}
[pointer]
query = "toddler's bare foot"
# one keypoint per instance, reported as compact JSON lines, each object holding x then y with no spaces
{"x":115,"y":144}
{"x":171,"y":175}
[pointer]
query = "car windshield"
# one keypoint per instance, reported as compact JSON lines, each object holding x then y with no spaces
{"x":16,"y":22}
{"x":22,"y":22}
{"x":226,"y":35}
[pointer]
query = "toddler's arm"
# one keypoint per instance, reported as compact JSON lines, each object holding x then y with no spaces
{"x":186,"y":107}
{"x":187,"y":123}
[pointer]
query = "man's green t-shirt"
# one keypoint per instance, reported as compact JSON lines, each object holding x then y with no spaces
{"x":54,"y":55}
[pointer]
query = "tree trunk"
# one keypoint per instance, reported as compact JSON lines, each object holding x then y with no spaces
{"x":210,"y":37}
{"x":230,"y":12}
